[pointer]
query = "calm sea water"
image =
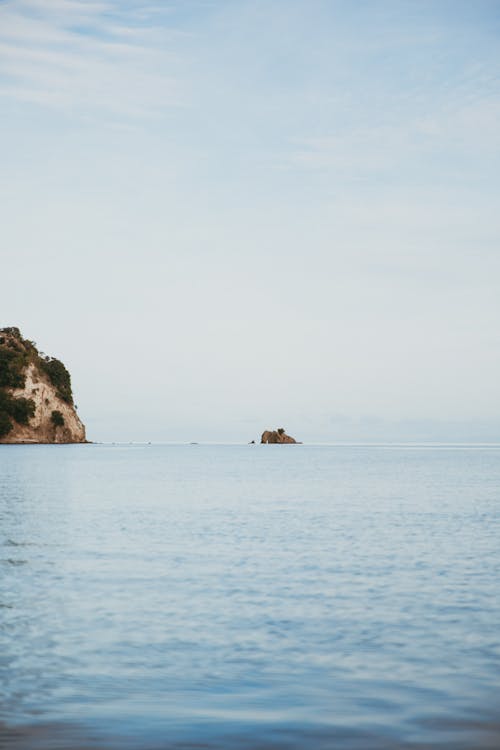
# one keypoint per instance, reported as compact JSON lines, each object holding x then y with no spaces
{"x":249,"y":597}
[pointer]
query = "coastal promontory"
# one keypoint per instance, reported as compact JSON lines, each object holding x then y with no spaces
{"x":36,"y":400}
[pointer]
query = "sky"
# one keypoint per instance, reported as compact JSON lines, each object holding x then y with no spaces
{"x":226,"y":216}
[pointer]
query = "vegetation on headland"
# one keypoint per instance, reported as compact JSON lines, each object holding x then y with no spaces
{"x":57,"y":418}
{"x":16,"y":354}
{"x":59,"y":377}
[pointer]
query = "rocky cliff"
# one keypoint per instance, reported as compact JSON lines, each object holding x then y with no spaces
{"x":36,"y":401}
{"x":276,"y":436}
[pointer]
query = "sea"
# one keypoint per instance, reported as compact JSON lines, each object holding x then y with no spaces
{"x":255,"y":597}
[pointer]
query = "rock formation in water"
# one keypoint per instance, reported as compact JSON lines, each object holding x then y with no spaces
{"x":36,"y":401}
{"x":276,"y":436}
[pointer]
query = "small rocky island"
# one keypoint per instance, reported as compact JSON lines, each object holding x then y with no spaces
{"x":36,"y":401}
{"x":276,"y":436}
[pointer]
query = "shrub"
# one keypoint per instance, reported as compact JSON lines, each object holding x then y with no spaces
{"x":22,"y":409}
{"x":12,"y":364}
{"x":59,"y":377}
{"x":57,"y":418}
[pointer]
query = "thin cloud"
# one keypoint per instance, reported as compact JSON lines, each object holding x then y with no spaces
{"x":76,"y":56}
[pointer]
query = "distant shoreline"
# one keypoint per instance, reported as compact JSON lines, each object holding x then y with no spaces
{"x":406,"y":444}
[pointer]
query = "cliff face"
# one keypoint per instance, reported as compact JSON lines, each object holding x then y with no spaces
{"x":36,"y":401}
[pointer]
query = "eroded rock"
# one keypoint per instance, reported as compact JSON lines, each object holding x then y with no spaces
{"x":278,"y":436}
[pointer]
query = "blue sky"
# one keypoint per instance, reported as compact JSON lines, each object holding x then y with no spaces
{"x":227,"y":216}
